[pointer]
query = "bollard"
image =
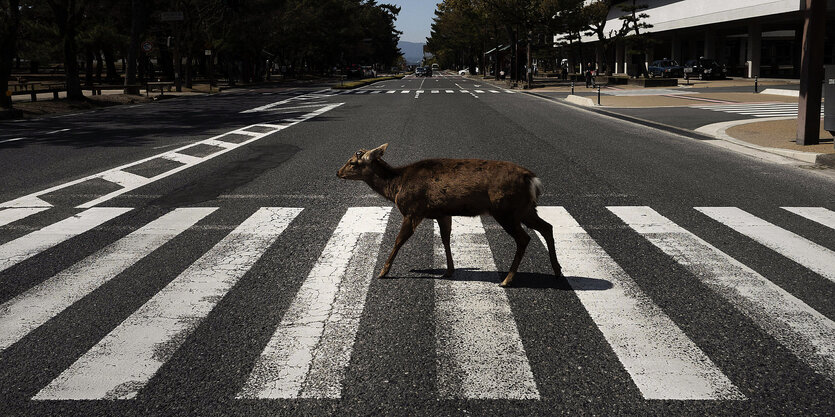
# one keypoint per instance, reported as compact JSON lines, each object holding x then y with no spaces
{"x":598,"y":94}
{"x":572,"y":88}
{"x":686,"y":79}
{"x":756,"y":80}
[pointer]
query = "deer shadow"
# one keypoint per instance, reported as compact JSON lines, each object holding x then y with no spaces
{"x":521,"y":280}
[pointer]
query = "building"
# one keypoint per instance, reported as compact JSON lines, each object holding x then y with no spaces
{"x":751,"y":37}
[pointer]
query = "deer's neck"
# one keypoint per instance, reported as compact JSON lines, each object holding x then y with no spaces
{"x":385,"y":180}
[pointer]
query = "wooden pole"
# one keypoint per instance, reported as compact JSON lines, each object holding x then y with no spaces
{"x":811,"y":73}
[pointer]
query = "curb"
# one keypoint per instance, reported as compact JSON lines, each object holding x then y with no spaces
{"x":580,"y":100}
{"x":711,"y":133}
{"x":719,"y":130}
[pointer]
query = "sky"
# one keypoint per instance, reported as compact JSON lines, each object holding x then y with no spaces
{"x":415,"y":18}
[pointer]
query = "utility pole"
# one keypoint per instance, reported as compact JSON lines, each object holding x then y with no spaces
{"x":811,"y":73}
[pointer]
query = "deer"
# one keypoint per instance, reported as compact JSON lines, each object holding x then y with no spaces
{"x":441,"y":188}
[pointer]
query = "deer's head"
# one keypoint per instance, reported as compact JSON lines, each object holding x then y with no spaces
{"x":359,"y":166}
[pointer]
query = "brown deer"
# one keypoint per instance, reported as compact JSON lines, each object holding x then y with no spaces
{"x":441,"y":188}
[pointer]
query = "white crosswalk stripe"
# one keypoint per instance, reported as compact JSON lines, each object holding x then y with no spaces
{"x":663,"y":362}
{"x":36,"y":242}
{"x":800,"y":328}
{"x":123,"y":362}
{"x":11,"y":215}
{"x":309,"y":352}
{"x":754,"y":109}
{"x":480,"y":353}
{"x":479,"y":350}
{"x":26,"y":312}
{"x":809,"y":254}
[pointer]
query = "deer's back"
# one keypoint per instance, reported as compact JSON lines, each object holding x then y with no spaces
{"x":463,"y":187}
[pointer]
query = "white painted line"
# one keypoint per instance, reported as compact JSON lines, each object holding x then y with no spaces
{"x":405,"y":92}
{"x":38,"y":241}
{"x":313,"y":95}
{"x":479,"y":351}
{"x":123,"y":361}
{"x":435,"y":91}
{"x":449,"y":91}
{"x":182,"y":158}
{"x":508,"y":91}
{"x":391,"y":91}
{"x":801,"y":329}
{"x":479,"y":91}
{"x":816,"y":214}
{"x":418,"y":93}
{"x":11,"y":215}
{"x":31,"y":309}
{"x":310,"y":350}
{"x":56,"y":131}
{"x":464,"y":91}
{"x":809,"y":254}
{"x":211,"y":141}
{"x":376,"y":92}
{"x":124,"y":178}
{"x":662,"y":361}
{"x":12,"y":140}
{"x":494,"y":91}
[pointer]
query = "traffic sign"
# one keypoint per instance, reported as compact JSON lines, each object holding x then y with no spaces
{"x":208,"y":52}
{"x":147,"y":46}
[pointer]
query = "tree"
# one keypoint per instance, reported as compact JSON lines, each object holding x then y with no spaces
{"x":635,"y":20}
{"x":9,"y":30}
{"x":68,"y":16}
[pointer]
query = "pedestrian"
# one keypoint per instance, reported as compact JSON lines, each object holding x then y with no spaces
{"x":564,"y":66}
{"x":588,"y":75}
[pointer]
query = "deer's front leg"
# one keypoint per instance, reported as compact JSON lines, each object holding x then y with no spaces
{"x":407,"y":228}
{"x":445,"y":225}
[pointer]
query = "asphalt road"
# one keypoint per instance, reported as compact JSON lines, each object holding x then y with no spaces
{"x":237,"y":279}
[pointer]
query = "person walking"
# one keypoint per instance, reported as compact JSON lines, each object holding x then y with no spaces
{"x":588,"y":75}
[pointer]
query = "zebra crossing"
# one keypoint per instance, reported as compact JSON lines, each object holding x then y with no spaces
{"x":479,"y":349}
{"x":425,"y":91}
{"x":754,"y":109}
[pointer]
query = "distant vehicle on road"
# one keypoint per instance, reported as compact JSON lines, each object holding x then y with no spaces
{"x":705,"y":69}
{"x":420,"y":72}
{"x":665,"y":68}
{"x":435,"y":67}
{"x":464,"y":71}
{"x":353,"y":71}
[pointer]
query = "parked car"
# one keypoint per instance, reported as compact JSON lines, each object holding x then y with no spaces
{"x":464,"y":71}
{"x":704,"y":69}
{"x":353,"y":71}
{"x":665,"y":68}
{"x":420,"y":71}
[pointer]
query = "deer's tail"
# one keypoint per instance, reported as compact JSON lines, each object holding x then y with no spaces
{"x":535,"y":188}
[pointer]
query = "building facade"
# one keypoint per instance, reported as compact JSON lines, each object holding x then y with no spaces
{"x":751,"y":37}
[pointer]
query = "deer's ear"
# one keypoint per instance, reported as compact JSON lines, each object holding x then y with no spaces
{"x":375,"y":153}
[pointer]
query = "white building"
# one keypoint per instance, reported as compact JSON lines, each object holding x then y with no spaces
{"x":751,"y":37}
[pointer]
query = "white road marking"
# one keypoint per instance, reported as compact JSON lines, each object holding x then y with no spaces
{"x":435,"y":91}
{"x":662,"y":361}
{"x":10,"y":215}
{"x":480,"y":354}
{"x":31,"y":309}
{"x":464,"y":91}
{"x":311,"y":348}
{"x":313,"y":95}
{"x":418,"y":93}
{"x":479,"y":91}
{"x":56,"y":131}
{"x":405,"y":92}
{"x":391,"y":91}
{"x":31,"y":200}
{"x":12,"y":140}
{"x":182,"y":158}
{"x":123,"y":361}
{"x":124,"y":178}
{"x":801,"y":329}
{"x":494,"y":91}
{"x":806,"y":253}
{"x":38,"y":241}
{"x":820,"y":215}
{"x":449,"y":91}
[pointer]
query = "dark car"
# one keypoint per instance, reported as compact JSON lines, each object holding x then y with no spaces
{"x":705,"y":69}
{"x":665,"y":68}
{"x":420,"y":71}
{"x":353,"y":71}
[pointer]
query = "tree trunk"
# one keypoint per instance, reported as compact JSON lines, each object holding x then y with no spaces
{"x":109,"y":60}
{"x":99,"y":66}
{"x":71,"y":65}
{"x":136,"y":26}
{"x":8,"y":43}
{"x":189,"y":70}
{"x":88,"y":66}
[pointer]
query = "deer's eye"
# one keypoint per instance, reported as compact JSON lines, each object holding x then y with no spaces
{"x":359,"y":154}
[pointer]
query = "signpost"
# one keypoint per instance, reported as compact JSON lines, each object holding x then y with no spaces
{"x":147,"y":47}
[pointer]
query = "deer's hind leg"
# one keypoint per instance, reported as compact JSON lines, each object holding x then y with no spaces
{"x":407,"y":228}
{"x":445,"y":224}
{"x":532,"y":220}
{"x":514,"y":228}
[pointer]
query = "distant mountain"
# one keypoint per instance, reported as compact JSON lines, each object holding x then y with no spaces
{"x":412,"y":51}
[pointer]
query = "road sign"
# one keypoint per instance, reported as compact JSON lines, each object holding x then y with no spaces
{"x":170,"y":16}
{"x":147,"y":46}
